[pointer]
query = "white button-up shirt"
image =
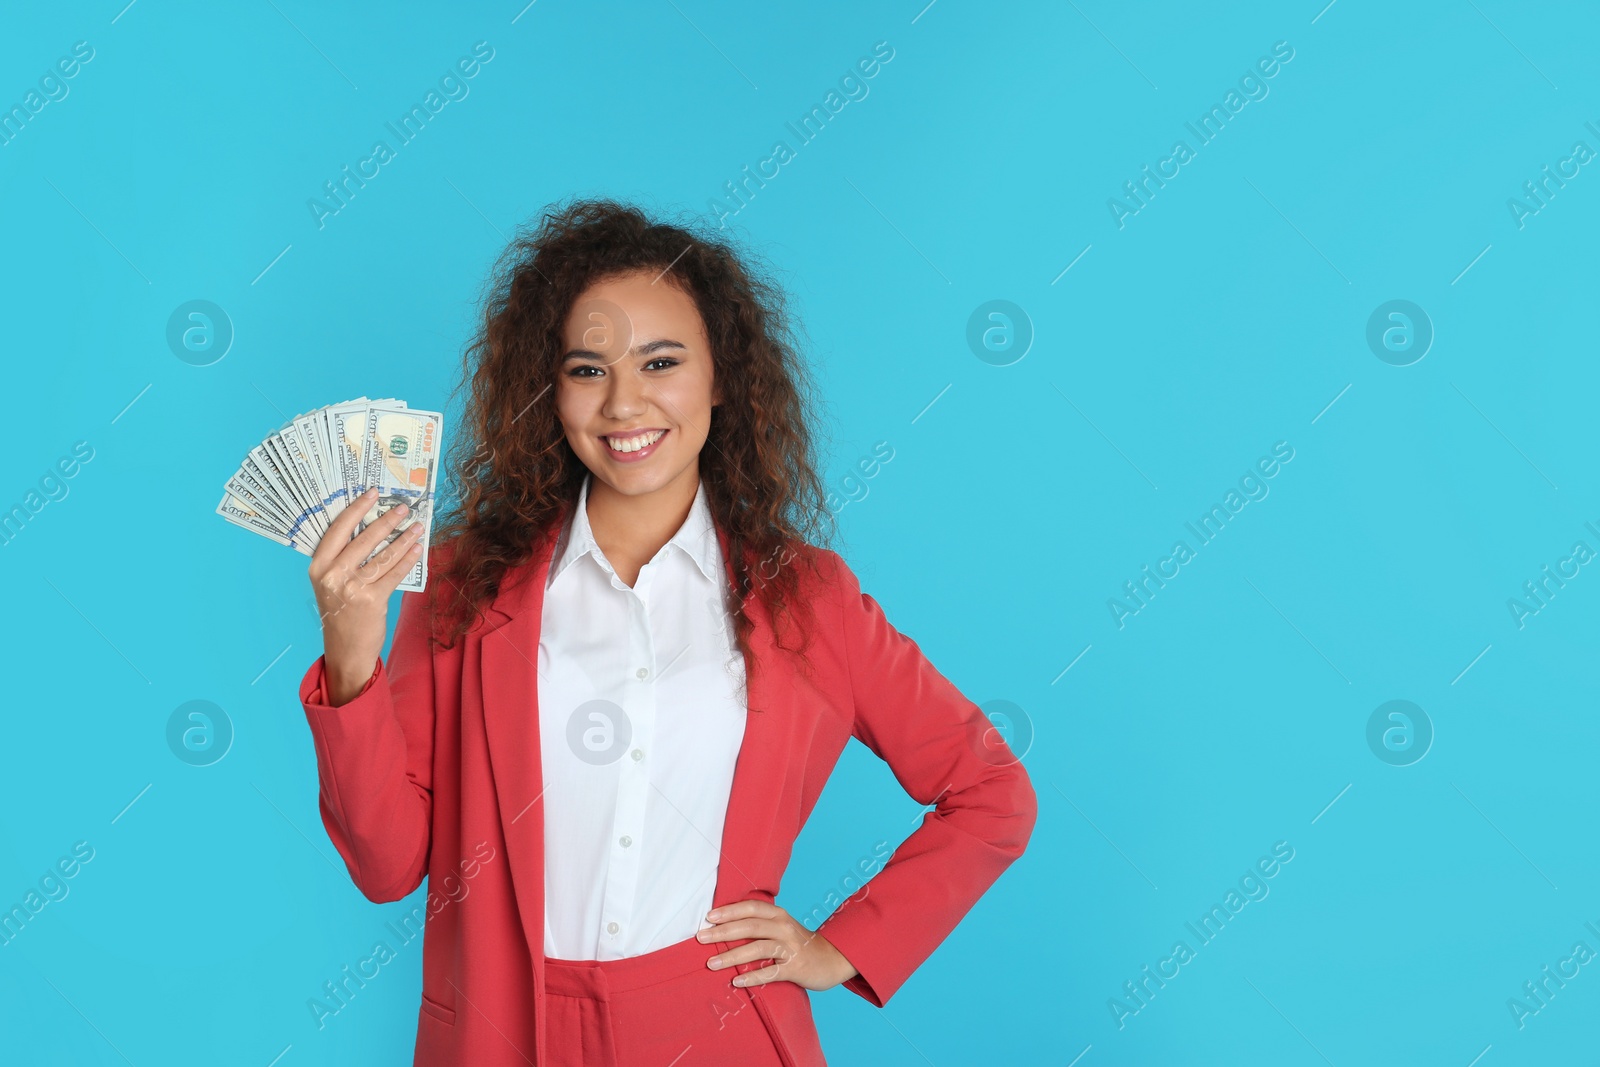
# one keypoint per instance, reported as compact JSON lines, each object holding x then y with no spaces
{"x":641,"y":715}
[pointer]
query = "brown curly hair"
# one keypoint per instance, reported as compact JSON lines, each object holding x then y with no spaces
{"x":515,"y":473}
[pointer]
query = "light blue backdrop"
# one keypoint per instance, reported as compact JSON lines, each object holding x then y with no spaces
{"x":1439,"y":862}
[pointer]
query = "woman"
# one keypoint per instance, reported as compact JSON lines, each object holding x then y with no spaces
{"x":607,"y":719}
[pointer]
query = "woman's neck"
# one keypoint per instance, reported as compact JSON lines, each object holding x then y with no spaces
{"x":631,"y":528}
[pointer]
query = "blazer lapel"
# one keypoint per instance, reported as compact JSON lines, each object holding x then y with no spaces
{"x":752,"y":803}
{"x":508,"y":682}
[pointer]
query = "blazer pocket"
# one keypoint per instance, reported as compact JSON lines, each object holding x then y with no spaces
{"x":438,"y":1011}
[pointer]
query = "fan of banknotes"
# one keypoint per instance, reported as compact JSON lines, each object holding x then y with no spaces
{"x":296,"y":482}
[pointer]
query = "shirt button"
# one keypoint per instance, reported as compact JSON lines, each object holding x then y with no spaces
{"x":638,"y":754}
{"x":625,"y":841}
{"x":612,"y":928}
{"x":643,"y":672}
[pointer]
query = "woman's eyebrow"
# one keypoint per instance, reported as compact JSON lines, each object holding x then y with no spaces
{"x":657,"y":345}
{"x":645,"y":348}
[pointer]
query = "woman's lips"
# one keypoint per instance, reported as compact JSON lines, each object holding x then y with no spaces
{"x":634,"y":457}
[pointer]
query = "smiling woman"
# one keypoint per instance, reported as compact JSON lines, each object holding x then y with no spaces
{"x":638,"y":671}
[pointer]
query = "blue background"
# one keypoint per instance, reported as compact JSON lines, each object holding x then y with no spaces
{"x":1228,"y":314}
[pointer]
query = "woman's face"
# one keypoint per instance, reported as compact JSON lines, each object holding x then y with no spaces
{"x":637,"y":372}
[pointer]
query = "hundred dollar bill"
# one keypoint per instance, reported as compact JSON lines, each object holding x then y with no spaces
{"x":295,"y":461}
{"x":246,"y":490}
{"x":400,"y":458}
{"x":317,"y":468}
{"x":344,"y":426}
{"x":243,"y":514}
{"x":268,"y":465}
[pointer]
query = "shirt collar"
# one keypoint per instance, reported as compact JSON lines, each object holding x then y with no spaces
{"x":696,"y":538}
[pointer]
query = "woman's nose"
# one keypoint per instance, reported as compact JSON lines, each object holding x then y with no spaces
{"x":625,"y":395}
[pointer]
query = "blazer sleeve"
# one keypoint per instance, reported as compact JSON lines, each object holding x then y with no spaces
{"x":375,"y":760}
{"x":943,"y":751}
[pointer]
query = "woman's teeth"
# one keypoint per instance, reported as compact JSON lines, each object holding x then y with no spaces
{"x":633,"y":444}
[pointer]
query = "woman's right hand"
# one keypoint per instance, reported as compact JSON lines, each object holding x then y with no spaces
{"x":353,"y":596}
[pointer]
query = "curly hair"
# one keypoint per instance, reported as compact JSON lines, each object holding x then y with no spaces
{"x":515,"y":473}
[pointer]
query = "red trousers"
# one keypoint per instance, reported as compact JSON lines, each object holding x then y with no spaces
{"x":663,"y":1009}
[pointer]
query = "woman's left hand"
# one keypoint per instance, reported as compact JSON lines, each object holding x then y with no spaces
{"x":801,"y":956}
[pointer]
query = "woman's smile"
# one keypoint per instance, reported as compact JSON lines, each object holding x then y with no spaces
{"x":633,"y":446}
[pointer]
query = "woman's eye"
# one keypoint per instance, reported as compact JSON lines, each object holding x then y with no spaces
{"x":660,"y":362}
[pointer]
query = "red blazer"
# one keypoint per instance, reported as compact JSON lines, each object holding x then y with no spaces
{"x":434,"y":769}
